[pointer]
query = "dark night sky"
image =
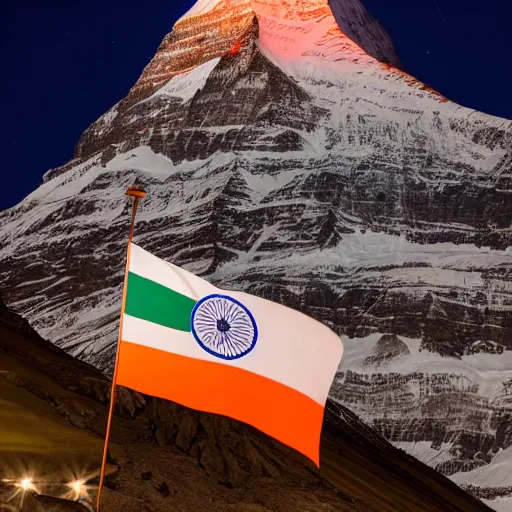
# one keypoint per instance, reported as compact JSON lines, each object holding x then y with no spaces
{"x":66,"y":63}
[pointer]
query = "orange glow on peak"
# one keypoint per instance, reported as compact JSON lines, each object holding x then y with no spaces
{"x":414,"y":82}
{"x":235,"y":48}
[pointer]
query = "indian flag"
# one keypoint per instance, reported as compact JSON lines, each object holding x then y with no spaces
{"x":225,"y":352}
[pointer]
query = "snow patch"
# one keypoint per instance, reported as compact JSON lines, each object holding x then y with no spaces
{"x":144,"y":159}
{"x":424,"y":452}
{"x":185,"y":85}
{"x":488,"y":371}
{"x":500,"y":504}
{"x":496,"y":474}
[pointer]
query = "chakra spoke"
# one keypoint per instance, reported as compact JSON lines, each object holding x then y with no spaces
{"x":224,"y":327}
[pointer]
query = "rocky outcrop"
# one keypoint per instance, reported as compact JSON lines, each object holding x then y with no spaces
{"x":287,"y":161}
{"x":387,"y":348}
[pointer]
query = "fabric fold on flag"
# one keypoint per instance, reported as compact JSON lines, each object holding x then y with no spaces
{"x":226,"y":352}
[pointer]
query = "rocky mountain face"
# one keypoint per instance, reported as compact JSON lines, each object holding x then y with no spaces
{"x":165,"y":457}
{"x":285,"y":154}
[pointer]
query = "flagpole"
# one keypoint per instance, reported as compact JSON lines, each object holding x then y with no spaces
{"x":137,"y":193}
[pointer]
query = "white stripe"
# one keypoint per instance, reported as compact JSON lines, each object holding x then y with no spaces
{"x":149,"y":266}
{"x":292,"y":348}
{"x":288,"y":361}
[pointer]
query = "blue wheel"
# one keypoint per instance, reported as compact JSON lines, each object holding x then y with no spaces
{"x":223,"y":327}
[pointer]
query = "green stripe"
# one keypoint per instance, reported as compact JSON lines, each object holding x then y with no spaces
{"x":155,"y":303}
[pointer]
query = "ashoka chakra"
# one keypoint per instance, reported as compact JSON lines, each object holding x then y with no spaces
{"x":224,"y":327}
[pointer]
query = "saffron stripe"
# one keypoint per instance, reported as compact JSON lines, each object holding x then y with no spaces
{"x":274,"y":408}
{"x":158,"y":304}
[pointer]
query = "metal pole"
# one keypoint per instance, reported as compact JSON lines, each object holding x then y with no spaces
{"x":138,"y":194}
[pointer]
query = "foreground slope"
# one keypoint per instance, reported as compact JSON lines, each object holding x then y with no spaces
{"x":286,"y":155}
{"x":166,"y":457}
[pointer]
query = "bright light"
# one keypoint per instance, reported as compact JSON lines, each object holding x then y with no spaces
{"x":77,"y":487}
{"x":26,"y":484}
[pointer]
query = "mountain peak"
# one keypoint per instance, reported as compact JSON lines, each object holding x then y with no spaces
{"x":352,"y":18}
{"x":291,"y":29}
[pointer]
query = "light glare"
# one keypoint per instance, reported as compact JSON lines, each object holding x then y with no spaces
{"x":26,"y":484}
{"x":77,"y":487}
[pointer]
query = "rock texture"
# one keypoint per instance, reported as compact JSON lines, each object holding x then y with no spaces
{"x":164,"y":457}
{"x":284,"y":155}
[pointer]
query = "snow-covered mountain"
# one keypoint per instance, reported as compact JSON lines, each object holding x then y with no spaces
{"x":286,"y":154}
